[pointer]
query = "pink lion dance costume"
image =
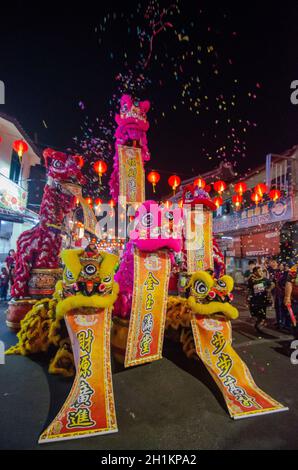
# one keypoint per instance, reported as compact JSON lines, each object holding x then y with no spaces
{"x":40,"y":246}
{"x":146,"y":220}
{"x":132,"y":130}
{"x":151,"y":233}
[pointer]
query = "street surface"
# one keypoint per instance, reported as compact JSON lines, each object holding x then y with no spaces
{"x":169,"y":404}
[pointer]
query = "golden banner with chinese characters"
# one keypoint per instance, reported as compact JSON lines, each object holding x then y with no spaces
{"x":149,"y":304}
{"x":213,"y":343}
{"x":90,"y":220}
{"x":198,"y":240}
{"x":131,"y":174}
{"x":89,"y":409}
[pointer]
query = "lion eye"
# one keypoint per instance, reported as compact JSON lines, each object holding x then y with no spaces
{"x":90,"y":269}
{"x":69,"y":275}
{"x":147,"y":220}
{"x":221,"y":283}
{"x":107,"y":279}
{"x":200,"y":287}
{"x":57,"y":164}
{"x":169,"y":216}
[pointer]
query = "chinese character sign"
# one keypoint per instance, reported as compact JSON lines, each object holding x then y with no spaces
{"x":89,"y":408}
{"x":214,"y":347}
{"x":198,"y":240}
{"x":148,"y":313}
{"x":132,"y":176}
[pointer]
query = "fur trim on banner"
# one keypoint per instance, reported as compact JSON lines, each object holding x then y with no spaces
{"x":79,"y":300}
{"x":212,"y":308}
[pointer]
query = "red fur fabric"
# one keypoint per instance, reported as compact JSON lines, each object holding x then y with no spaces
{"x":40,"y":246}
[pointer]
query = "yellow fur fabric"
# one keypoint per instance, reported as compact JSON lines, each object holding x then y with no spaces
{"x":212,"y":308}
{"x":178,"y":312}
{"x":71,"y":259}
{"x":79,"y":300}
{"x":34,"y":335}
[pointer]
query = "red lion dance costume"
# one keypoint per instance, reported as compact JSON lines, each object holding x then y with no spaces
{"x":132,"y":127}
{"x":40,"y":246}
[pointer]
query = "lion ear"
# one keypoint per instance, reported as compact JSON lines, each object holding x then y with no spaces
{"x":145,"y":106}
{"x":71,"y":259}
{"x":48,"y":154}
{"x":126,"y":99}
{"x":109,"y":263}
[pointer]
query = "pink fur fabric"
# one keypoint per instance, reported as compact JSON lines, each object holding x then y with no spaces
{"x":132,"y":126}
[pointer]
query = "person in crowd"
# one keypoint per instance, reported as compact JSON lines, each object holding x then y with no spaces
{"x":275,"y":271}
{"x":291,"y":296}
{"x":10,"y":259}
{"x":4,"y":282}
{"x":258,"y":287}
{"x":273,"y":268}
{"x":279,"y":278}
{"x":10,"y":263}
{"x":251,"y":265}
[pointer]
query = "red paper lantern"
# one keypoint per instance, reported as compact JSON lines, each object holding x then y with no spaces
{"x":80,"y":160}
{"x":274,"y":194}
{"x":218,"y":201}
{"x":261,"y":189}
{"x":237,"y":200}
{"x":200,"y":183}
{"x":88,"y":200}
{"x":240,"y":188}
{"x":112,"y":203}
{"x":174,"y":181}
{"x":168,"y":204}
{"x":153,"y":178}
{"x":256,"y":198}
{"x":100,"y":167}
{"x":219,"y":186}
{"x":20,"y":147}
{"x":98,"y":201}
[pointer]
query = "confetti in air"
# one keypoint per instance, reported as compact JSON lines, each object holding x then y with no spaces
{"x":167,"y":50}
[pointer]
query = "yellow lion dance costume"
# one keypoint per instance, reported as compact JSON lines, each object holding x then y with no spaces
{"x":88,"y":281}
{"x":206,"y":296}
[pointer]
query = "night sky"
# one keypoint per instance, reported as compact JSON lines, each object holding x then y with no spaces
{"x":51,"y":60}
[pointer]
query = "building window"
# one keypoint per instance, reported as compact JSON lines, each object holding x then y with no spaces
{"x":15,"y":168}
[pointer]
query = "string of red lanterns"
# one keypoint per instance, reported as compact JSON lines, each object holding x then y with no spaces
{"x":237,"y":200}
{"x":21,"y":147}
{"x":153,"y":178}
{"x":219,"y":186}
{"x":240,"y":188}
{"x":100,"y":167}
{"x":275,"y":194}
{"x":218,"y":201}
{"x":200,"y":183}
{"x":261,"y":189}
{"x":174,"y":181}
